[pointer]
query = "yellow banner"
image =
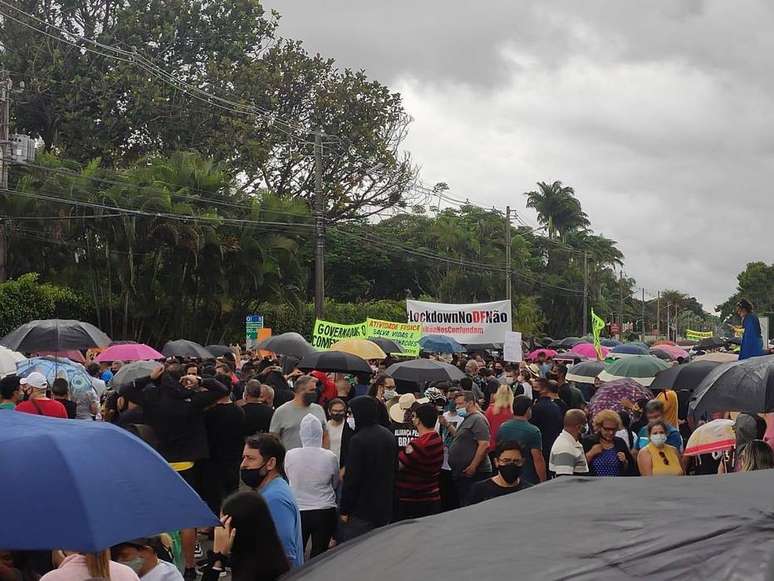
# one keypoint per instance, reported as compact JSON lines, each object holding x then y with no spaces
{"x":697,"y":335}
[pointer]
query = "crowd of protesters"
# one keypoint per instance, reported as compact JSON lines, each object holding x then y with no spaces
{"x":333,"y":456}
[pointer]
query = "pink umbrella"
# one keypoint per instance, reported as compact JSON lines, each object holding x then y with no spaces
{"x":129,"y":352}
{"x":588,"y":350}
{"x":673,"y":351}
{"x":76,"y":356}
{"x":547,"y":352}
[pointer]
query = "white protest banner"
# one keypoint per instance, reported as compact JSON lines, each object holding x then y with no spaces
{"x":512,"y":347}
{"x":474,"y":323}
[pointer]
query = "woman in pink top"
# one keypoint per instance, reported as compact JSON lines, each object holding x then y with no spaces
{"x":79,"y":567}
{"x":499,"y":412}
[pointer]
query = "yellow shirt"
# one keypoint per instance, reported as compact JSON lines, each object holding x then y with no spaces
{"x":667,"y":464}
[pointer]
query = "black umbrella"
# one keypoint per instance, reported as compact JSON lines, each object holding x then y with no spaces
{"x":570,"y":342}
{"x":337,"y":361}
{"x":387,"y":345}
{"x":424,"y":370}
{"x":714,"y":528}
{"x":544,"y":341}
{"x":660,"y":354}
{"x":711,"y":343}
{"x":218,"y":350}
{"x":685,"y":376}
{"x":585,"y":372}
{"x":287,"y":344}
{"x":474,"y":347}
{"x":185,"y":348}
{"x":746,"y":386}
{"x":54,"y":335}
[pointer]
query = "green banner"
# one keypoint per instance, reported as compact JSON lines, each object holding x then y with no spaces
{"x":326,"y":333}
{"x":597,"y":324}
{"x":407,"y":335}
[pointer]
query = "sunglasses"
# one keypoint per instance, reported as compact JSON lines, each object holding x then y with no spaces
{"x":664,"y":459}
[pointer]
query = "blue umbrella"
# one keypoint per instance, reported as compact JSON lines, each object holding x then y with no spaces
{"x":89,"y":486}
{"x":630,"y":349}
{"x":53,"y":367}
{"x":610,"y":342}
{"x":440,"y":344}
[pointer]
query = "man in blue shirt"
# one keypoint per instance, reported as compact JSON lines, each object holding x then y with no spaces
{"x":263,"y":469}
{"x":752,"y":341}
{"x":654,"y":411}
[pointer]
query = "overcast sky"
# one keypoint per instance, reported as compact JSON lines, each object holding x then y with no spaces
{"x":659,"y":114}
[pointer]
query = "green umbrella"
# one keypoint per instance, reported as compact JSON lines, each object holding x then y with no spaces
{"x":640,"y":368}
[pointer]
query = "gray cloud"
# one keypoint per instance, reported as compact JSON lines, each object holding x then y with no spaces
{"x":657,"y":113}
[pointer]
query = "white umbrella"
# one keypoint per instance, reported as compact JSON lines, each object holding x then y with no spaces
{"x":8,"y":360}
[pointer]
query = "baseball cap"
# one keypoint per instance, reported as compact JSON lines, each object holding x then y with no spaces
{"x":36,"y":380}
{"x":405,"y":402}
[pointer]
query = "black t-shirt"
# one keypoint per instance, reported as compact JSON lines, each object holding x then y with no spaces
{"x":404,"y":432}
{"x":488,"y":488}
{"x":70,"y":406}
{"x":257,"y":418}
{"x":548,"y":416}
{"x":225,"y":431}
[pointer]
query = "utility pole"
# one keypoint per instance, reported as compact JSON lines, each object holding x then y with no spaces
{"x":620,"y":306}
{"x":669,"y":324}
{"x":319,"y":229}
{"x":5,"y":148}
{"x":508,"y":265}
{"x":658,"y":314}
{"x":642,"y":336}
{"x":585,"y":294}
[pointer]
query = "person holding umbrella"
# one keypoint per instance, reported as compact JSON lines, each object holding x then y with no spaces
{"x":752,"y":341}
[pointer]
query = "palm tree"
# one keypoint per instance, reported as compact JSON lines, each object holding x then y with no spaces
{"x":559,"y":211}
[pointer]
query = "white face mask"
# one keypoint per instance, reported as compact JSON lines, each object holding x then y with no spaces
{"x":351,"y":422}
{"x":658,"y":439}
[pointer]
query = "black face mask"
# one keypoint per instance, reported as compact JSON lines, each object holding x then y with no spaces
{"x":253,"y":477}
{"x":338,"y":418}
{"x":309,"y":398}
{"x":510,"y":472}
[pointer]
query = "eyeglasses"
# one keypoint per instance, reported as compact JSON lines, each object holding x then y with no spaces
{"x":664,"y":458}
{"x":608,"y":429}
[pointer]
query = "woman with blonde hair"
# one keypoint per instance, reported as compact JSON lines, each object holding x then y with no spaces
{"x":606,"y":453}
{"x":500,"y":410}
{"x":72,"y":566}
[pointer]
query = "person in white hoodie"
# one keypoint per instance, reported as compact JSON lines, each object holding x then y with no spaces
{"x":313,"y":474}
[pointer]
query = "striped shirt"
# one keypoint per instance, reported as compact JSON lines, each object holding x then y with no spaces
{"x":421,"y":460}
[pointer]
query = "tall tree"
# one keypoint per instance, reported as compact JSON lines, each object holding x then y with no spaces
{"x":558,"y":210}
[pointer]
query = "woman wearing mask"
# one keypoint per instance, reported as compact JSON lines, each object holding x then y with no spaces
{"x":606,"y":453}
{"x":248,"y":541}
{"x":499,"y":412}
{"x":81,"y":566}
{"x":313,"y":473}
{"x":659,"y":458}
{"x":383,"y":391}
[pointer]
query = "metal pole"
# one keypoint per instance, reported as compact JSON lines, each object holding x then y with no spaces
{"x":658,"y":315}
{"x":620,"y":306}
{"x":319,"y":229}
{"x":642,"y":338}
{"x":508,"y":265}
{"x":669,"y":323}
{"x":585,"y":330}
{"x":5,"y":110}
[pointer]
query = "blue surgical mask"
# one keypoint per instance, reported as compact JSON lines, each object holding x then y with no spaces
{"x":135,"y":564}
{"x":462,"y":412}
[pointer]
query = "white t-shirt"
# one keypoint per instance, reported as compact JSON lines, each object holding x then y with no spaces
{"x":567,"y":456}
{"x":334,"y":433}
{"x":164,"y":571}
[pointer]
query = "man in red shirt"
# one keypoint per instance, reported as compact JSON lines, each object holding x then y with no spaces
{"x":420,"y":466}
{"x":38,"y":403}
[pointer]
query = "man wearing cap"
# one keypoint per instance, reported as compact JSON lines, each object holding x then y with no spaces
{"x":140,"y":555}
{"x":38,"y":403}
{"x":400,"y":419}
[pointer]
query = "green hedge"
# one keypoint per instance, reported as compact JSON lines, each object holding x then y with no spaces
{"x":25,"y":299}
{"x":284,"y":318}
